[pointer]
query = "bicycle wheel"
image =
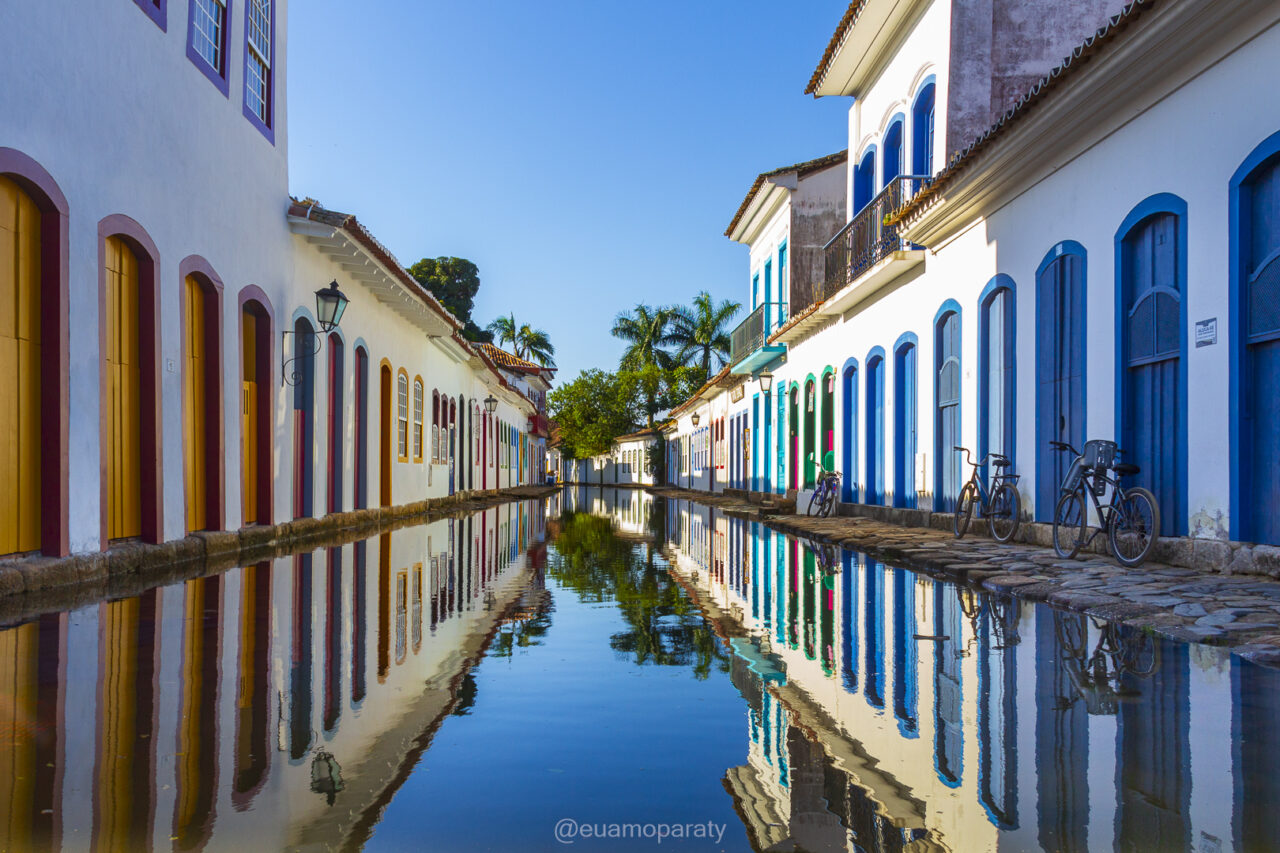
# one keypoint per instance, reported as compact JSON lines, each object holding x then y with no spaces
{"x":1006,"y":512}
{"x":1135,"y":526}
{"x":1068,"y":524}
{"x":814,"y":500}
{"x":964,"y":509}
{"x":828,"y":502}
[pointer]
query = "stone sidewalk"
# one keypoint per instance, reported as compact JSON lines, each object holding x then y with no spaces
{"x":1240,"y":611}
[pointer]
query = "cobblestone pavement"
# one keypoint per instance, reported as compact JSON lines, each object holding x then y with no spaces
{"x":1240,"y":611}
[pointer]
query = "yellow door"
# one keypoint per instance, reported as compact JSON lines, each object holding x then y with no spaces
{"x":20,"y":433}
{"x":249,"y":417}
{"x":196,"y":404}
{"x":124,"y":393}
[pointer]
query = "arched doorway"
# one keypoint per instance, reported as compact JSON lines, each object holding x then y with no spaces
{"x":849,"y":432}
{"x":305,"y":350}
{"x":827,"y":421}
{"x":130,"y":410}
{"x":1152,"y":427}
{"x":255,"y":407}
{"x":202,"y":395}
{"x":946,"y":425}
{"x":904,"y":421}
{"x":384,"y":435}
{"x":810,"y":438}
{"x":1255,"y":283}
{"x":361,"y":426}
{"x":335,"y":428}
{"x":34,"y":355}
{"x":793,"y":423}
{"x":1060,"y":380}
{"x":875,"y":427}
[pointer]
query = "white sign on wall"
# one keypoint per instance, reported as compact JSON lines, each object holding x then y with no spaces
{"x":1207,"y":332}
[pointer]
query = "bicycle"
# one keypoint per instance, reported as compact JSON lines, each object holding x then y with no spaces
{"x":824,"y":492}
{"x":1131,"y":518}
{"x":1002,"y":506}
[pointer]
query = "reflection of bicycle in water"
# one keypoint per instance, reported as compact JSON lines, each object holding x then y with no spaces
{"x":826,"y":556}
{"x":1099,"y":674}
{"x":999,"y":613}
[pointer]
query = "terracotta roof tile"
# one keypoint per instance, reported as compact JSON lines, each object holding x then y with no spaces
{"x":803,"y":168}
{"x":837,"y":38}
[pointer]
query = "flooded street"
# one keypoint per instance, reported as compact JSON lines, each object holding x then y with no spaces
{"x":538,"y":675}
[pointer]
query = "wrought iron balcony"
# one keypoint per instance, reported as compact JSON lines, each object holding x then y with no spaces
{"x":866,"y":239}
{"x":753,"y":331}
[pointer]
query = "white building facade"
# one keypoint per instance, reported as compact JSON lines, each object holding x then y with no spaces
{"x":1029,"y":275}
{"x":161,"y":328}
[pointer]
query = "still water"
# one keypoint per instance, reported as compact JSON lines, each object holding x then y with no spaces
{"x":606,"y":664}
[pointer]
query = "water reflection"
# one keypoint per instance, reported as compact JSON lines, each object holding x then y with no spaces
{"x":828,"y":701}
{"x":1030,"y":729}
{"x":242,"y":704}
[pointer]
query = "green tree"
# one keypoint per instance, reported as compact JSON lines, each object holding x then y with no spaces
{"x":528,"y":343}
{"x":702,"y":331}
{"x":659,"y":388}
{"x":455,"y":282}
{"x":646,"y":331}
{"x":593,"y":410}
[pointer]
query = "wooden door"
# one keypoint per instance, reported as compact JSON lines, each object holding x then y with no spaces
{"x":1153,"y":418}
{"x":948,"y":416}
{"x":875,"y":430}
{"x":1060,"y":384}
{"x":384,"y":435}
{"x":20,"y":357}
{"x":124,"y":393}
{"x":249,"y":416}
{"x":195,"y":402}
{"x":1260,"y":433}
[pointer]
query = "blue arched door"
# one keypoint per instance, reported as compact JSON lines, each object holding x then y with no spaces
{"x":1259,"y":365}
{"x":875,"y":429}
{"x":947,"y":425}
{"x":849,"y":433}
{"x":1153,"y":411}
{"x":904,"y":425}
{"x":1060,"y":385}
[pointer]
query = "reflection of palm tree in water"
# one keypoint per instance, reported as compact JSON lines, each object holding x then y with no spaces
{"x":664,"y":626}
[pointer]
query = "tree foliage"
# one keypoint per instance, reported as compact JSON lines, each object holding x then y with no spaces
{"x":591,"y":411}
{"x":527,"y":342}
{"x":701,"y":331}
{"x":455,"y":282}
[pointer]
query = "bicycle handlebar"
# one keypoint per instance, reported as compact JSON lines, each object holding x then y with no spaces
{"x":981,"y":463}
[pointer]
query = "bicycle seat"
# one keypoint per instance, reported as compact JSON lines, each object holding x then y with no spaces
{"x":1125,"y":469}
{"x":1000,"y":461}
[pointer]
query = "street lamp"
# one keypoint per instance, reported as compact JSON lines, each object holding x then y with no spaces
{"x":766,"y":382}
{"x":695,"y":417}
{"x":490,"y":404}
{"x":330,"y":305}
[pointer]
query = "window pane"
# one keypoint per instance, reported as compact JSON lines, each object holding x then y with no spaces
{"x":209,"y":17}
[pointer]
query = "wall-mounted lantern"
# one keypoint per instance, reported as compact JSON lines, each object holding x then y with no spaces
{"x":490,"y":404}
{"x":766,"y":382}
{"x":330,"y":304}
{"x":695,"y":417}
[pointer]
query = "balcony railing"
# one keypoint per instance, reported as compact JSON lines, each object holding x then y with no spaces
{"x":866,"y":239}
{"x":752,"y":332}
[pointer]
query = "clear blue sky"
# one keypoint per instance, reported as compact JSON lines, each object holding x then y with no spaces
{"x":586,"y":155}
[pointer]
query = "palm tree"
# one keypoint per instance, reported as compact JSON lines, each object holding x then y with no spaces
{"x":701,"y":331}
{"x":646,"y":333}
{"x":529,"y":343}
{"x":535,"y":345}
{"x":504,"y":329}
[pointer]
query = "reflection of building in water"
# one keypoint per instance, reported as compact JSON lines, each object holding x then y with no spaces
{"x":203,"y":708}
{"x":893,"y":711}
{"x":630,"y":509}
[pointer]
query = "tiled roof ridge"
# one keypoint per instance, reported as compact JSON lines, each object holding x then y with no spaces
{"x":837,"y":39}
{"x":803,"y":168}
{"x":1079,"y":57}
